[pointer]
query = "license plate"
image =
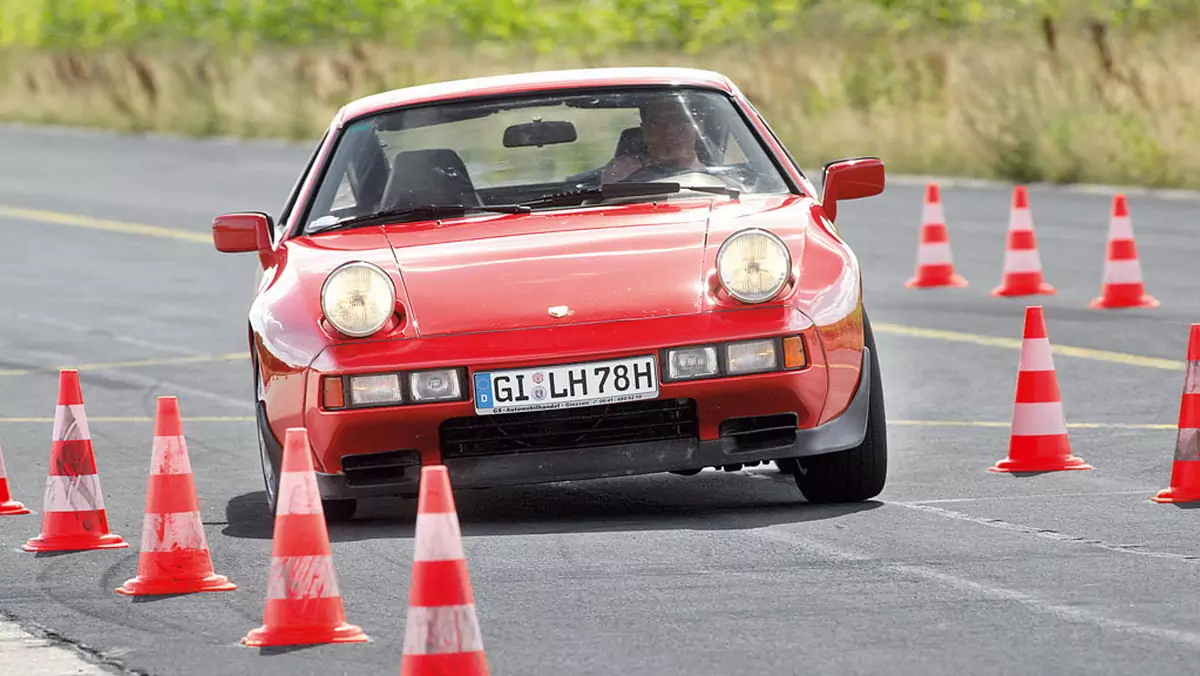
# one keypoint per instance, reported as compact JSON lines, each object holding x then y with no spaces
{"x":566,"y":386}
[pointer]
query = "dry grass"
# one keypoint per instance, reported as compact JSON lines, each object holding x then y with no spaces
{"x":1081,"y":105}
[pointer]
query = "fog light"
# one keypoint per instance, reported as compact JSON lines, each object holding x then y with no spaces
{"x":753,"y":356}
{"x":435,"y":385}
{"x":375,"y":389}
{"x":691,"y":362}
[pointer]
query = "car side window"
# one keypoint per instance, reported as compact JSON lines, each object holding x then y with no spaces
{"x":281,"y":223}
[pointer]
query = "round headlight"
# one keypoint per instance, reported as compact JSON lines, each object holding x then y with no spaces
{"x":358,"y":298}
{"x":753,"y":265}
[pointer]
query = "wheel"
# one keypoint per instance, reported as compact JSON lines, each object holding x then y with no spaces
{"x":269,"y":471}
{"x":335,"y":510}
{"x":859,"y":473}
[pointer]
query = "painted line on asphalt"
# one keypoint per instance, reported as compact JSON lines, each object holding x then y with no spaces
{"x":104,"y":366}
{"x":1015,"y":344}
{"x":1064,"y":611}
{"x":78,"y":221}
{"x":985,"y":498}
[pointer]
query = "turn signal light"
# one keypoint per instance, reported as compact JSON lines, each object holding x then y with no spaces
{"x":332,"y":394}
{"x":794,"y":355}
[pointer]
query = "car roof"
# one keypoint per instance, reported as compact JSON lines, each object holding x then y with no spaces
{"x":539,"y":80}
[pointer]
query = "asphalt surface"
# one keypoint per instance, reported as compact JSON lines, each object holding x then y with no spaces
{"x":952,"y":570}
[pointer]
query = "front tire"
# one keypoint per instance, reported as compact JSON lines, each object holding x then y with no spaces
{"x":859,"y":473}
{"x":335,"y":510}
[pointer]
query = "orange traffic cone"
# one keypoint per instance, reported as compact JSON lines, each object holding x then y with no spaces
{"x":8,"y":506}
{"x":1038,"y":441}
{"x":304,"y":604}
{"x":1022,"y":263}
{"x":1122,"y":286}
{"x":935,"y":264}
{"x":73,"y":514}
{"x":442,"y":633}
{"x":174,"y":557}
{"x":1185,"y":472}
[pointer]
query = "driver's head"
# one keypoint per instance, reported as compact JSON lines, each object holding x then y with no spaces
{"x":668,"y":129}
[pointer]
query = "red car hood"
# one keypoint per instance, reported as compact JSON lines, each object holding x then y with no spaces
{"x":498,"y":272}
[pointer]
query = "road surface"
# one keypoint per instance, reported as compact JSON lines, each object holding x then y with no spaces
{"x":952,"y":570}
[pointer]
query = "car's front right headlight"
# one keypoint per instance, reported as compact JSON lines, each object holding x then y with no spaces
{"x":358,"y":298}
{"x":753,"y":265}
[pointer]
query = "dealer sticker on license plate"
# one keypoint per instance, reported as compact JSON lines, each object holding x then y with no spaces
{"x":566,"y":386}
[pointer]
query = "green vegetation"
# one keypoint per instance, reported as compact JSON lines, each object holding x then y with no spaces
{"x":1057,"y":90}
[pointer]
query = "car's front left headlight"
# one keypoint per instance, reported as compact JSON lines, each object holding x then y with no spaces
{"x":753,"y":265}
{"x":358,"y":298}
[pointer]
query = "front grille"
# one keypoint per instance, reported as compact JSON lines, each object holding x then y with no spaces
{"x":368,"y":469}
{"x":562,"y":429}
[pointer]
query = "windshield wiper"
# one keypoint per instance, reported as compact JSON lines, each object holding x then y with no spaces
{"x":385,"y":216}
{"x":617,"y":190}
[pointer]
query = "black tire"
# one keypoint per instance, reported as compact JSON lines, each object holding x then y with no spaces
{"x":335,"y":510}
{"x":857,"y":474}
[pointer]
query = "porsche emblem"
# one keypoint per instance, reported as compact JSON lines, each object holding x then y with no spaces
{"x":559,"y":311}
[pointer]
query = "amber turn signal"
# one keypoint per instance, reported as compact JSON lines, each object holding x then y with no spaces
{"x":794,"y":355}
{"x":332,"y":394}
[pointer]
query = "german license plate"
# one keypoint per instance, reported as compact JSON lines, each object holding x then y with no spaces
{"x":566,"y":386}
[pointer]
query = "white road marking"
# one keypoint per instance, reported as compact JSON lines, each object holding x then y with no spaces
{"x":1034,"y":602}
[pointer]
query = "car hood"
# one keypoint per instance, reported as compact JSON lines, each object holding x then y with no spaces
{"x":498,"y":272}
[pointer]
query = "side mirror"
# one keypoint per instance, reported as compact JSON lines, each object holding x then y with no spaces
{"x":242,"y":232}
{"x":851,"y":179}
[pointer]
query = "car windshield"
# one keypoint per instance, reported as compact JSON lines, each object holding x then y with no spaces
{"x":523,"y":148}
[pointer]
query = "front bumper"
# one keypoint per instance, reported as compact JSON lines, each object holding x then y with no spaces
{"x":400,"y":473}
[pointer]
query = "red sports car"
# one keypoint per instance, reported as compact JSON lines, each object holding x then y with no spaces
{"x":562,"y":276}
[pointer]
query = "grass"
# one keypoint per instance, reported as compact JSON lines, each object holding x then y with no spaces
{"x":1030,"y":100}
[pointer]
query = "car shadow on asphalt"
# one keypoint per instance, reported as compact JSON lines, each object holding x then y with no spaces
{"x":709,"y":501}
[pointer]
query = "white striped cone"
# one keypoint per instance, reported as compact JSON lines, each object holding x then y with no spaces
{"x":1038,"y":441}
{"x":8,"y":506}
{"x":1022,"y":263}
{"x":1122,"y":286}
{"x":73,"y":516}
{"x":174,"y":557}
{"x":442,"y":634}
{"x":935,"y":262}
{"x":304,"y":602}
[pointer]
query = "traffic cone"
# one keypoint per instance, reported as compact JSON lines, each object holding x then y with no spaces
{"x":935,"y":264}
{"x":1122,"y":286}
{"x":304,"y":604}
{"x":8,"y":506}
{"x":174,"y":557}
{"x":1022,"y":263}
{"x":1185,"y":472}
{"x":73,"y":514}
{"x":441,"y":635}
{"x":1038,"y":441}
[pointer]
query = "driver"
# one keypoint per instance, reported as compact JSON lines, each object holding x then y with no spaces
{"x":670,"y":135}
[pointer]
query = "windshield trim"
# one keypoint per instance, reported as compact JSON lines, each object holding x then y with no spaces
{"x":739,"y":107}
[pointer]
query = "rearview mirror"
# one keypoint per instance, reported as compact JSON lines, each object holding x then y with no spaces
{"x":851,"y":179}
{"x":538,"y":134}
{"x":242,"y":232}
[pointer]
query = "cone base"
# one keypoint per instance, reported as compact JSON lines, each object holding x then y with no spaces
{"x":1069,"y":462}
{"x":266,"y":636}
{"x":1145,"y":301}
{"x":1042,"y":289}
{"x":12,"y":508}
{"x":145,"y":587}
{"x":1177,"y":494}
{"x":75,"y":543}
{"x":955,"y":281}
